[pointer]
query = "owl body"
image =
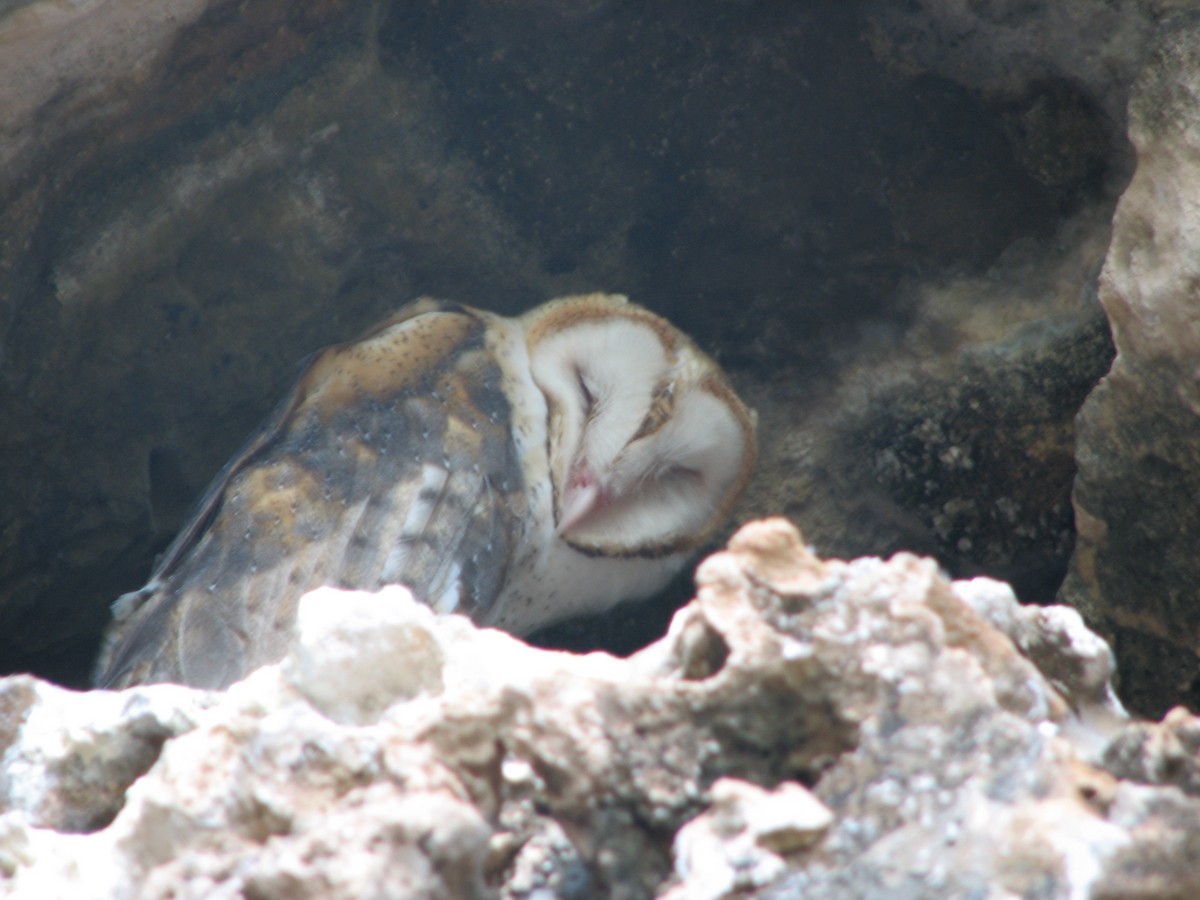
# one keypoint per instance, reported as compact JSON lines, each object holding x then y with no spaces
{"x":518,"y":471}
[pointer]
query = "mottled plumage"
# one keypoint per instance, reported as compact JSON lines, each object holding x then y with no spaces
{"x":518,"y":471}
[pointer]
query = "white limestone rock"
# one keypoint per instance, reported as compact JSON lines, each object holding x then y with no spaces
{"x":742,"y":841}
{"x":812,"y":727}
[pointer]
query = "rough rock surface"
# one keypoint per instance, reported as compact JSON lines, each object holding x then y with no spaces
{"x":1004,"y":45}
{"x":810,"y":727}
{"x":967,"y":456}
{"x":1135,"y":570}
{"x":887,"y":220}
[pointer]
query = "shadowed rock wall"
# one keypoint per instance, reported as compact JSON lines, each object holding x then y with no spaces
{"x":885,"y":222}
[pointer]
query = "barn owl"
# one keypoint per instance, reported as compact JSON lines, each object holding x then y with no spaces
{"x":516,"y":470}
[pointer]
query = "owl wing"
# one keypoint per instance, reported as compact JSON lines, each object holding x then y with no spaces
{"x":391,"y":461}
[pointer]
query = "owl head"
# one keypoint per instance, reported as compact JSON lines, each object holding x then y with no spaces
{"x":648,"y":444}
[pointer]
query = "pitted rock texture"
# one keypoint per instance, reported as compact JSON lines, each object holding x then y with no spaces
{"x":68,"y":757}
{"x":806,"y":725}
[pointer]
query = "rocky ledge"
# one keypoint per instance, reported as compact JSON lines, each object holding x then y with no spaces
{"x":807,"y":726}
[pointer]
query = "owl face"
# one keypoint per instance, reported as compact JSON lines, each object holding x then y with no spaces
{"x":518,"y":471}
{"x":648,"y":443}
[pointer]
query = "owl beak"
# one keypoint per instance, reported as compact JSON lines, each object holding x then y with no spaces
{"x":576,"y":506}
{"x":584,"y":494}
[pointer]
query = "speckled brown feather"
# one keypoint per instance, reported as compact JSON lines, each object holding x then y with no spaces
{"x":392,"y":461}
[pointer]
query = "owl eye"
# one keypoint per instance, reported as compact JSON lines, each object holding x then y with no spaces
{"x":589,"y":401}
{"x":681,"y":474}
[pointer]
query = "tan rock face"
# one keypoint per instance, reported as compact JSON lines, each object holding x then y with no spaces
{"x":823,"y":726}
{"x":1134,"y":573}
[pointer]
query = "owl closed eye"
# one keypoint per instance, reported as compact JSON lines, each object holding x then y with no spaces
{"x":516,"y":470}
